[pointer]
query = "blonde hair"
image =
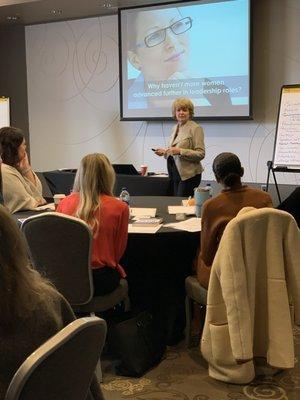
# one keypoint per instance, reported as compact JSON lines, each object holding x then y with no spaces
{"x":22,"y":289}
{"x":183,"y":102}
{"x":95,"y":176}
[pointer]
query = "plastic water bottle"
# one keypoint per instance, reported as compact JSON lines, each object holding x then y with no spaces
{"x":208,"y":187}
{"x":125,"y":196}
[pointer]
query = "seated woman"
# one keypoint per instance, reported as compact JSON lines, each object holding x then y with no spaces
{"x":292,"y":205}
{"x":92,"y":201}
{"x":218,"y":211}
{"x":31,"y":310}
{"x":22,"y":189}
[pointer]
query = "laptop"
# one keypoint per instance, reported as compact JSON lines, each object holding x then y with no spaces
{"x":125,"y":169}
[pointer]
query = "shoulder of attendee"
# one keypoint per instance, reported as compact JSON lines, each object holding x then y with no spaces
{"x":70,"y":200}
{"x":113,"y":201}
{"x":257,"y":192}
{"x":9,"y":170}
{"x":73,"y":197}
{"x":211,"y":204}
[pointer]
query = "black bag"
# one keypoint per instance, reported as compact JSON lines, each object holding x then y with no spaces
{"x":137,"y":342}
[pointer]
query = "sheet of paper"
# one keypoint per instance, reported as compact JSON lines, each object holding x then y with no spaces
{"x":143,"y":229}
{"x":49,"y":206}
{"x":189,"y":225}
{"x":188,"y":210}
{"x":142,"y":212}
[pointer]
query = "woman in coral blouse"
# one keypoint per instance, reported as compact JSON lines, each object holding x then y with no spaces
{"x":92,"y":201}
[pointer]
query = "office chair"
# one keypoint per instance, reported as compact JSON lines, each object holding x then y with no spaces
{"x":63,"y":367}
{"x":60,"y":249}
{"x":253,"y":297}
{"x":195,"y":293}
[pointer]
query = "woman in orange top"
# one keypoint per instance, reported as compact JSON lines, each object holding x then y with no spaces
{"x":92,"y":201}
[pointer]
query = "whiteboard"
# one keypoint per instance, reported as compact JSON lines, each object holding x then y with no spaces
{"x":4,"y":112}
{"x":287,"y":139}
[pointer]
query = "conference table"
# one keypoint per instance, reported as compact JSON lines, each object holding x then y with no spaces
{"x":157,"y":265}
{"x":61,"y":181}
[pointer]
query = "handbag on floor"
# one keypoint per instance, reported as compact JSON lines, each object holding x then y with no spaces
{"x":137,"y":341}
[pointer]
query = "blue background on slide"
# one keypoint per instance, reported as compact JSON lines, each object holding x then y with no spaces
{"x":219,"y":39}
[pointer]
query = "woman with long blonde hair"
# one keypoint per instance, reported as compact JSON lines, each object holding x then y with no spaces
{"x":92,"y":201}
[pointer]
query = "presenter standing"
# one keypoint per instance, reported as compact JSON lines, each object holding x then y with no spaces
{"x":186,"y":149}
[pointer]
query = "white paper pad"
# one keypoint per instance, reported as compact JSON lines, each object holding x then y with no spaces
{"x":143,"y":229}
{"x":189,"y":225}
{"x":49,"y":206}
{"x":188,"y":210}
{"x":142,"y":212}
{"x":162,"y":175}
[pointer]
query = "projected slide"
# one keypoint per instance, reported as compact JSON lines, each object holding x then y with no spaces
{"x":190,"y":49}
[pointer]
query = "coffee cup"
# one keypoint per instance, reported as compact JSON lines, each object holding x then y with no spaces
{"x":201,"y":194}
{"x":144,"y":169}
{"x":57,"y":198}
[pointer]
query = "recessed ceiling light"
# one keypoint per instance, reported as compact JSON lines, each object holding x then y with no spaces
{"x":56,"y":11}
{"x":12,"y":18}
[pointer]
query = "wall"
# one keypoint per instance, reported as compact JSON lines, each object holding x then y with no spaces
{"x":13,"y":78}
{"x":72,"y":73}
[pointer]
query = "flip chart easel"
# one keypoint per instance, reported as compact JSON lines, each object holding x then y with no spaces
{"x":286,"y":155}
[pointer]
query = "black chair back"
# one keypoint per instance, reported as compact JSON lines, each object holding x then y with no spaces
{"x":60,"y":249}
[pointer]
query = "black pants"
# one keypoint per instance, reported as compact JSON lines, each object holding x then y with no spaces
{"x":181,"y":188}
{"x":106,"y":280}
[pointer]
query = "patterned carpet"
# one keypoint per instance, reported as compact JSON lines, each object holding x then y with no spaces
{"x":182,"y":375}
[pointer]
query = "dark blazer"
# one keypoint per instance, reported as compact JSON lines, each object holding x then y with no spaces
{"x":292,"y":205}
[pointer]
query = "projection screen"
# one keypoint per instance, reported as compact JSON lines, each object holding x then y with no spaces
{"x":194,"y":49}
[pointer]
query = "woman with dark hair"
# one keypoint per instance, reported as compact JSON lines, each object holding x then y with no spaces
{"x":22,"y":189}
{"x":218,"y":211}
{"x":92,"y":201}
{"x":31,"y":310}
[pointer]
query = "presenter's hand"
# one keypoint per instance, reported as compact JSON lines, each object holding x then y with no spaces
{"x":25,"y":169}
{"x":160,"y":152}
{"x":174,"y":151}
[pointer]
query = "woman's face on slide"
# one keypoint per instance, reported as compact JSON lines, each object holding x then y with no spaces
{"x":22,"y":150}
{"x":163,"y":60}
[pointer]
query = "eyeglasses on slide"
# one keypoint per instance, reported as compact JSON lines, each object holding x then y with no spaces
{"x":177,"y":28}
